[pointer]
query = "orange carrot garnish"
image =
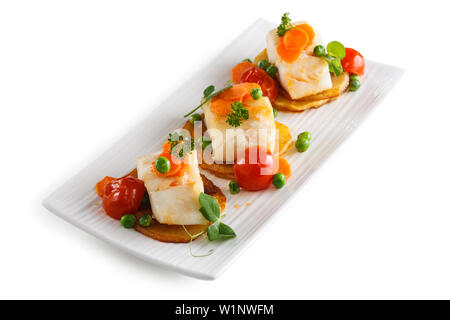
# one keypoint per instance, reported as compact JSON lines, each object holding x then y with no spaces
{"x":286,"y":55}
{"x":284,"y":167}
{"x":221,"y":105}
{"x":309,"y":30}
{"x":295,"y":39}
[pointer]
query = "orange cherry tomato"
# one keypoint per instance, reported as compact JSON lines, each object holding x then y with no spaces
{"x":100,"y":186}
{"x":239,"y":69}
{"x":268,"y":85}
{"x":123,"y":196}
{"x":353,"y":62}
{"x":254,"y":168}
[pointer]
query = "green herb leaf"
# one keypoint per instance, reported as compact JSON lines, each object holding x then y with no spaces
{"x":228,"y":85}
{"x":285,"y":25}
{"x":334,"y":65}
{"x":208,"y":91}
{"x":219,"y":230}
{"x":226,"y":232}
{"x":210,"y":208}
{"x":336,"y":49}
{"x":336,"y":52}
{"x":237,"y":115}
{"x":213,"y":231}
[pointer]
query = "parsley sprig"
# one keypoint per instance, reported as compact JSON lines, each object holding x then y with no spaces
{"x":208,"y":94}
{"x":179,"y":145}
{"x":285,"y":25}
{"x":237,"y":115}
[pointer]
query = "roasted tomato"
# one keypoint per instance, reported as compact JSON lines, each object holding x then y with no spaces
{"x":268,"y":85}
{"x":353,"y":62}
{"x":254,"y":168}
{"x":100,"y":186}
{"x":123,"y":196}
{"x":239,"y":69}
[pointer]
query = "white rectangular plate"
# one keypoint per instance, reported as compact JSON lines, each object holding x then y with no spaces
{"x":329,"y":125}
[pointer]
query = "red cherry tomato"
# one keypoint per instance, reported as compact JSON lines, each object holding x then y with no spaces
{"x":353,"y":62}
{"x":256,"y":75}
{"x":123,"y":196}
{"x":254,"y":169}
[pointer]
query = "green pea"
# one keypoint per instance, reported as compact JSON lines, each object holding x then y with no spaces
{"x":263,"y":64}
{"x":303,"y":141}
{"x":205,"y":142}
{"x":195,"y":117}
{"x":275,"y":112}
{"x":234,"y":187}
{"x":145,"y":220}
{"x":354,"y":77}
{"x":162,"y":165}
{"x":128,"y":221}
{"x":248,"y":60}
{"x":319,"y":51}
{"x":256,"y":93}
{"x":279,"y":180}
{"x":354,"y":85}
{"x":272,"y":71}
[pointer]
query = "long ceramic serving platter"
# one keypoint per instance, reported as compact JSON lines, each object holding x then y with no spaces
{"x":248,"y":213}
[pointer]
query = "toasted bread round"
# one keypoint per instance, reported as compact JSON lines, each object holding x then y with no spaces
{"x":176,"y":233}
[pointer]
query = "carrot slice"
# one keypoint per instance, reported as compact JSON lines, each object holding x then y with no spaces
{"x":295,"y":39}
{"x":234,"y":93}
{"x":175,"y":167}
{"x":239,"y":69}
{"x":286,"y":55}
{"x":166,"y":147}
{"x":309,"y":30}
{"x":220,"y":106}
{"x":284,"y":167}
{"x":249,"y":86}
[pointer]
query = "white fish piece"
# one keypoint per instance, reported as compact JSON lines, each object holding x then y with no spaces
{"x":307,"y":75}
{"x":174,"y":200}
{"x":228,"y":142}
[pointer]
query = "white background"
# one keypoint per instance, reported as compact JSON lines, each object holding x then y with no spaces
{"x":76,"y":75}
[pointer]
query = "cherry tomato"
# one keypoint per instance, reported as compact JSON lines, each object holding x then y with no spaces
{"x":353,"y":62}
{"x":254,"y":168}
{"x":239,"y":69}
{"x":100,"y":186}
{"x":256,"y":75}
{"x":123,"y":196}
